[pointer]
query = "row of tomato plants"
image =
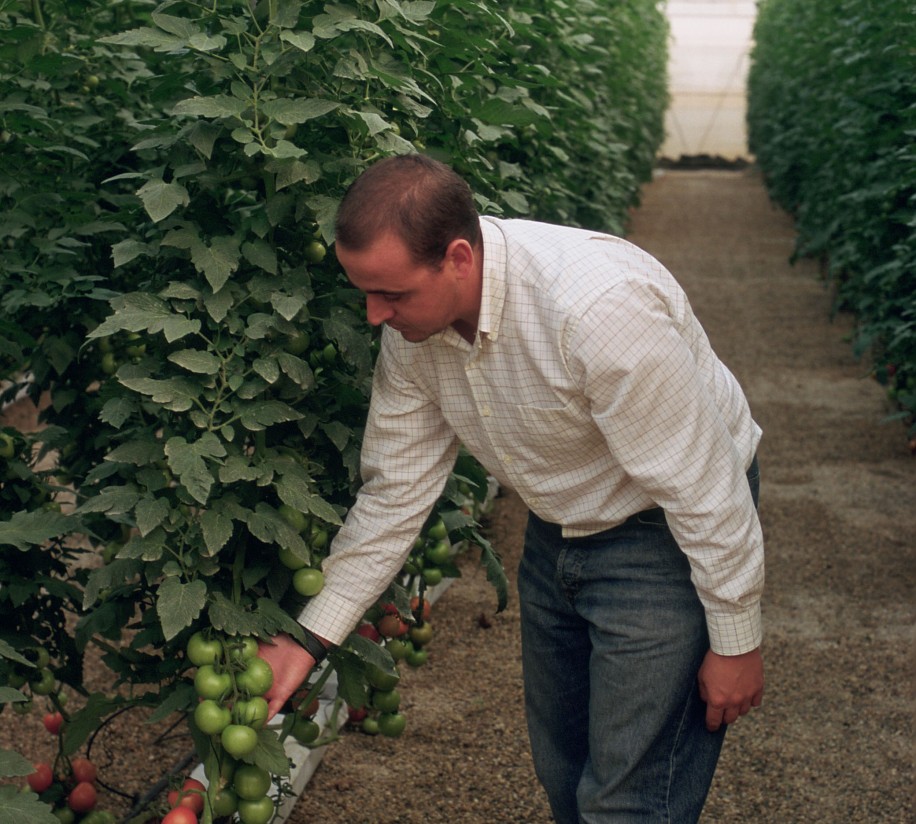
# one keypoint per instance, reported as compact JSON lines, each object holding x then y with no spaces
{"x":832,"y":120}
{"x":171,"y":302}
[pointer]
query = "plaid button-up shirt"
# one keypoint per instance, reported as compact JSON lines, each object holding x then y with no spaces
{"x":590,"y":389}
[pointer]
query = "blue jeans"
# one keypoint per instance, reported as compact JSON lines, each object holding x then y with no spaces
{"x":613,"y":635}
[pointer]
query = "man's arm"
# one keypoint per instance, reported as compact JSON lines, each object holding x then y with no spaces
{"x":730,"y":685}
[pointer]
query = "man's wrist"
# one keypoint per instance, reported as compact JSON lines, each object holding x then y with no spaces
{"x":315,"y":646}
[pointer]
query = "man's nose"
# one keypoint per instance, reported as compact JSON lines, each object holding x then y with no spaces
{"x":377,"y":310}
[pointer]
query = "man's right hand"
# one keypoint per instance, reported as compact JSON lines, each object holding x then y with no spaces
{"x":291,"y":665}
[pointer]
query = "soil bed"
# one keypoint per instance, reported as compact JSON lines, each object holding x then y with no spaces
{"x":833,"y":741}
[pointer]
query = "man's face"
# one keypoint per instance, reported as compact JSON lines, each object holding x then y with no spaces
{"x":413,"y":299}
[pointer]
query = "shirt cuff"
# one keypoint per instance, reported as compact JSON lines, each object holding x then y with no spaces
{"x":735,"y":633}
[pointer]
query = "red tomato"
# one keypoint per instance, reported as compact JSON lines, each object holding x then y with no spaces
{"x":180,"y":815}
{"x":42,"y":778}
{"x":53,"y":722}
{"x":84,"y":770}
{"x":191,"y":796}
{"x":82,"y":797}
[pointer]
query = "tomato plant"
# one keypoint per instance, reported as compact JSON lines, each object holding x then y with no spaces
{"x":169,"y":283}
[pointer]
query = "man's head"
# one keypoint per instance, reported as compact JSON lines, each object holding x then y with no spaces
{"x":408,"y":236}
{"x":413,"y":197}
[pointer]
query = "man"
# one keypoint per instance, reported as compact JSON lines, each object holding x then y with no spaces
{"x":571,"y":365}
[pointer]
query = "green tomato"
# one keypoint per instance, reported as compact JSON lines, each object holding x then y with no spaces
{"x":417,"y":658}
{"x":438,"y":530}
{"x":298,"y":343}
{"x":315,"y":252}
{"x":290,"y":560}
{"x":243,"y":648}
{"x":7,"y":445}
{"x":386,"y":700}
{"x":251,"y":782}
{"x":370,"y":725}
{"x":225,"y":803}
{"x":421,"y":634}
{"x":64,"y":814}
{"x":256,"y":678}
{"x":109,"y":363}
{"x":44,"y":683}
{"x":433,"y":576}
{"x":381,"y":679}
{"x":308,"y":581}
{"x":318,"y":537}
{"x":201,"y":650}
{"x":252,"y":712}
{"x":296,"y":519}
{"x":239,"y":740}
{"x":305,"y":730}
{"x":211,"y":718}
{"x":439,"y":552}
{"x":260,"y":811}
{"x":211,"y":684}
{"x":391,"y":724}
{"x":398,"y":648}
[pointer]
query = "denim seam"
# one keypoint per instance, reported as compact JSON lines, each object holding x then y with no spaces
{"x":672,"y":756}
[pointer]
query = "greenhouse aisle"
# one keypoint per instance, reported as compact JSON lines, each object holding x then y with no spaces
{"x":833,"y":740}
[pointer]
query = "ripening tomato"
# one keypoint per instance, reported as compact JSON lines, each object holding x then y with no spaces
{"x":421,"y":634}
{"x":426,"y":610}
{"x":391,"y":626}
{"x":82,"y":798}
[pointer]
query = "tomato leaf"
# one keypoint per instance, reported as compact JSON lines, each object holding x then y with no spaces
{"x":216,"y":529}
{"x":178,"y":604}
{"x":269,"y":754}
{"x":24,"y":807}
{"x":25,"y":529}
{"x":14,"y":764}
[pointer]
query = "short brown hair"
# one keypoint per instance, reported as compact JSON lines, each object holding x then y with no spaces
{"x":418,"y":199}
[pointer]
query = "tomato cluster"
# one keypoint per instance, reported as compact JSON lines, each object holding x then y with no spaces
{"x":72,"y":791}
{"x":230,"y":682}
{"x":432,"y":556}
{"x":308,"y":579}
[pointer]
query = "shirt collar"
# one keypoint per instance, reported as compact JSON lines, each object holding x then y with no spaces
{"x":493,"y":294}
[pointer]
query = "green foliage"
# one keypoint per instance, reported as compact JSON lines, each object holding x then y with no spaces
{"x":171,"y":173}
{"x":832,"y":122}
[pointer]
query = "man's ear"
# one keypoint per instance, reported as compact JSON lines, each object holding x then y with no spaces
{"x":460,"y":256}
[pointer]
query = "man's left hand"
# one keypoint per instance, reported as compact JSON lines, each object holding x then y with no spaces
{"x":730,"y":685}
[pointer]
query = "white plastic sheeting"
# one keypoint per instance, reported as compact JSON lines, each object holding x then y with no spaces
{"x":709,"y":56}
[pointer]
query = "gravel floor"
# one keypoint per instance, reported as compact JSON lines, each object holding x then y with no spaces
{"x":833,"y":741}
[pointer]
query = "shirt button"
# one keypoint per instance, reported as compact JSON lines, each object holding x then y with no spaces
{"x":485,"y":411}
